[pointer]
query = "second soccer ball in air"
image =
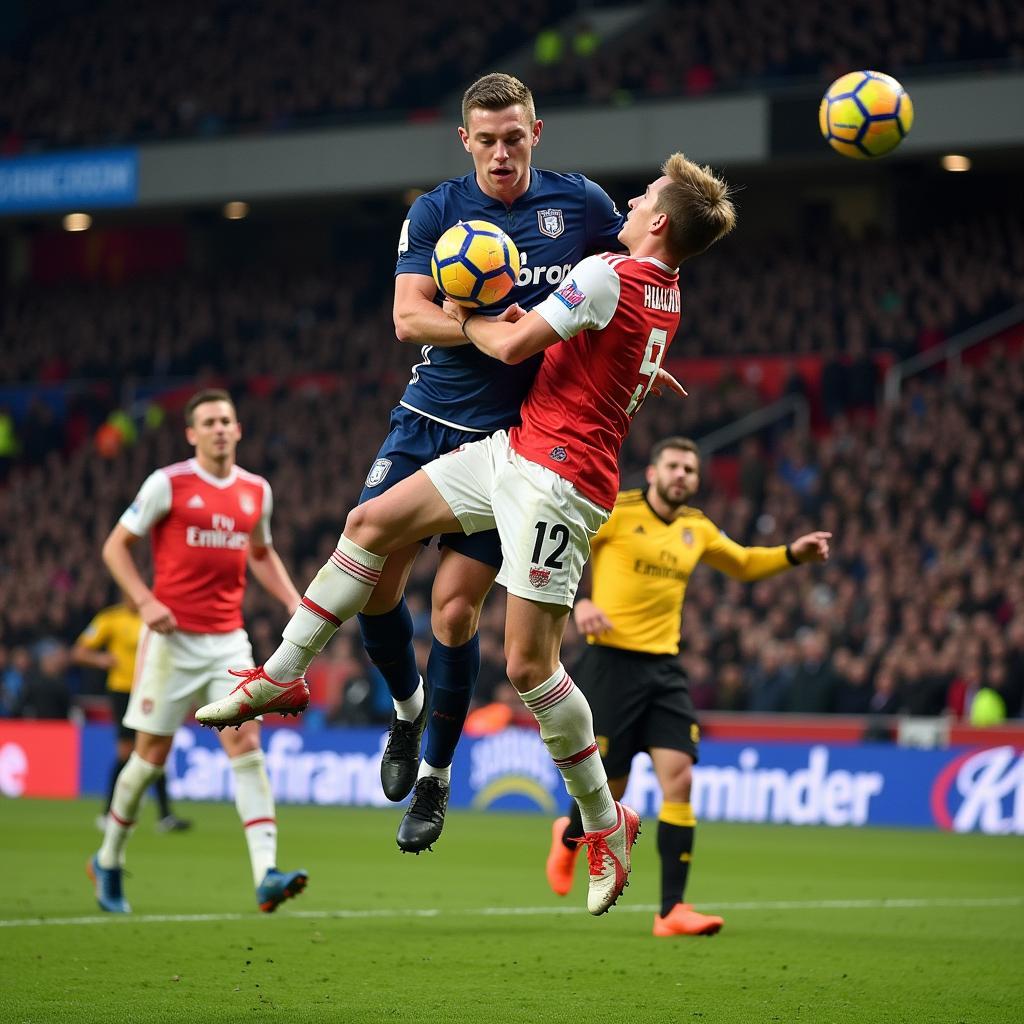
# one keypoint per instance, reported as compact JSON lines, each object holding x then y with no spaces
{"x":475,"y":263}
{"x":865,"y":114}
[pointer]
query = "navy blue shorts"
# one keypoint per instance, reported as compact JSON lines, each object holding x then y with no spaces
{"x":413,"y":441}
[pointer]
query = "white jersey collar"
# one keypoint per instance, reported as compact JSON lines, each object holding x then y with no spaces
{"x":214,"y":481}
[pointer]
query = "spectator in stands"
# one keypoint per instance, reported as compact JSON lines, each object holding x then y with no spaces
{"x":814,"y":687}
{"x":45,"y":692}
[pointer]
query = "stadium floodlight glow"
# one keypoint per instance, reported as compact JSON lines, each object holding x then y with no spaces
{"x":236,"y":210}
{"x":77,"y":222}
{"x":956,"y":162}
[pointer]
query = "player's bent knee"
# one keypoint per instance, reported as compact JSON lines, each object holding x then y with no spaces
{"x":677,"y":785}
{"x":454,"y":621}
{"x":359,"y":527}
{"x":525,"y":672}
{"x":153,"y":748}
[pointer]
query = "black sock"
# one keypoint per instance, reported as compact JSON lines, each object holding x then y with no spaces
{"x":160,"y":791}
{"x":115,"y":770}
{"x":675,"y":848}
{"x":574,"y":830}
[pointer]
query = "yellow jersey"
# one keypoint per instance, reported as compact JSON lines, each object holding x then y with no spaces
{"x":115,"y":629}
{"x":640,"y":565}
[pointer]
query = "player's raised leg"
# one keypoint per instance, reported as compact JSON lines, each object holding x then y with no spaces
{"x":409,"y":511}
{"x":254,"y":801}
{"x":533,"y":634}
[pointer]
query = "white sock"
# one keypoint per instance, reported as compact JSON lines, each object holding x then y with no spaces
{"x":408,"y":710}
{"x":133,"y":780}
{"x":429,"y":771}
{"x":567,"y":729}
{"x":255,"y":803}
{"x":338,"y":591}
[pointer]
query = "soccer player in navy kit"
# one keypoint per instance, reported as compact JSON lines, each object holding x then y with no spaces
{"x":457,"y":395}
{"x":547,"y":485}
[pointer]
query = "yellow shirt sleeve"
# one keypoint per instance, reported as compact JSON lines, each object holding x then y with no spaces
{"x":96,"y":636}
{"x":746,"y":564}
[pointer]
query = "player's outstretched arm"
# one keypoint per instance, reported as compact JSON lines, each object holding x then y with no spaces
{"x":418,"y":319}
{"x":118,"y":558}
{"x":750,"y":564}
{"x":270,"y":573}
{"x":811,"y":547}
{"x":505,"y":340}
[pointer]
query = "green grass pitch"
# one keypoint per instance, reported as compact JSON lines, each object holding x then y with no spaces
{"x":821,"y":926}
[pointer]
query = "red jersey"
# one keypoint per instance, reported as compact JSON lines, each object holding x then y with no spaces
{"x":616,"y":316}
{"x":201,"y":527}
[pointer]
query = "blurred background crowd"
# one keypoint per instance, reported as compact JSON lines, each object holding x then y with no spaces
{"x":285,"y":64}
{"x":922,"y":605}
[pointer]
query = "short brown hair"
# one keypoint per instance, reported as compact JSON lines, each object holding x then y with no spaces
{"x":698,"y":206}
{"x":683,"y":444}
{"x":206,"y":395}
{"x":497,"y":91}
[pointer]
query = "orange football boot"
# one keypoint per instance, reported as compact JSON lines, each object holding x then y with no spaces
{"x":682,"y":919}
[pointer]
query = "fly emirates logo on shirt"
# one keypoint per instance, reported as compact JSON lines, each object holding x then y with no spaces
{"x":222,"y":534}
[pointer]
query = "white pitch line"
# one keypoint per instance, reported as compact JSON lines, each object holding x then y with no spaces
{"x":634,"y":908}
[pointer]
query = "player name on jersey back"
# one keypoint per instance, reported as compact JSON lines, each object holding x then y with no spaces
{"x":666,"y":299}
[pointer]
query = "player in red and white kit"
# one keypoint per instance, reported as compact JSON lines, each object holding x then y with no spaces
{"x":547,"y":486}
{"x":208,"y":520}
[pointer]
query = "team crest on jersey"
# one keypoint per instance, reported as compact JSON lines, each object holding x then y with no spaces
{"x":558,"y":454}
{"x":539,"y":577}
{"x":570,"y":295}
{"x":378,"y":471}
{"x":688,"y":537}
{"x":550,"y":222}
{"x":248,"y":505}
{"x":147,"y":706}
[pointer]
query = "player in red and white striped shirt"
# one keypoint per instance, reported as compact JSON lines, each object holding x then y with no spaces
{"x":547,"y":486}
{"x":208,"y":520}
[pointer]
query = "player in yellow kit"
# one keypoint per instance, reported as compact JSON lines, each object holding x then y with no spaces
{"x":641,"y":560}
{"x":109,"y":643}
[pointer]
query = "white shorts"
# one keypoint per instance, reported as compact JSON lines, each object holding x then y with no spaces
{"x":545,"y":524}
{"x":176,"y":671}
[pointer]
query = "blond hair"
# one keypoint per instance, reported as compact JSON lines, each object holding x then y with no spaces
{"x":497,"y":91}
{"x":698,"y":206}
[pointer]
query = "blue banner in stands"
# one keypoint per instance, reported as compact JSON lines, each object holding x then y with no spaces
{"x":86,"y":179}
{"x":960,"y":789}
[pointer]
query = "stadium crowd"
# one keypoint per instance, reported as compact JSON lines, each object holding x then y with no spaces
{"x":922,"y":604}
{"x":827,"y":293}
{"x":280,"y":64}
{"x":690,"y":48}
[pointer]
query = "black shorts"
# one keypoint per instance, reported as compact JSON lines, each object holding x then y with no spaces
{"x":118,"y":708}
{"x":639,"y":701}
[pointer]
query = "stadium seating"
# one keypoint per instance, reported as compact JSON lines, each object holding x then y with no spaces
{"x":280,"y":65}
{"x":921,"y":604}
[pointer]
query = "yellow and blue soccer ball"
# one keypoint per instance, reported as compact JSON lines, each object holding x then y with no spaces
{"x":865,"y":114}
{"x":475,"y":263}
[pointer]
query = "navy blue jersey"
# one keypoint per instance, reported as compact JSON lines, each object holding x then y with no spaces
{"x":559,"y":219}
